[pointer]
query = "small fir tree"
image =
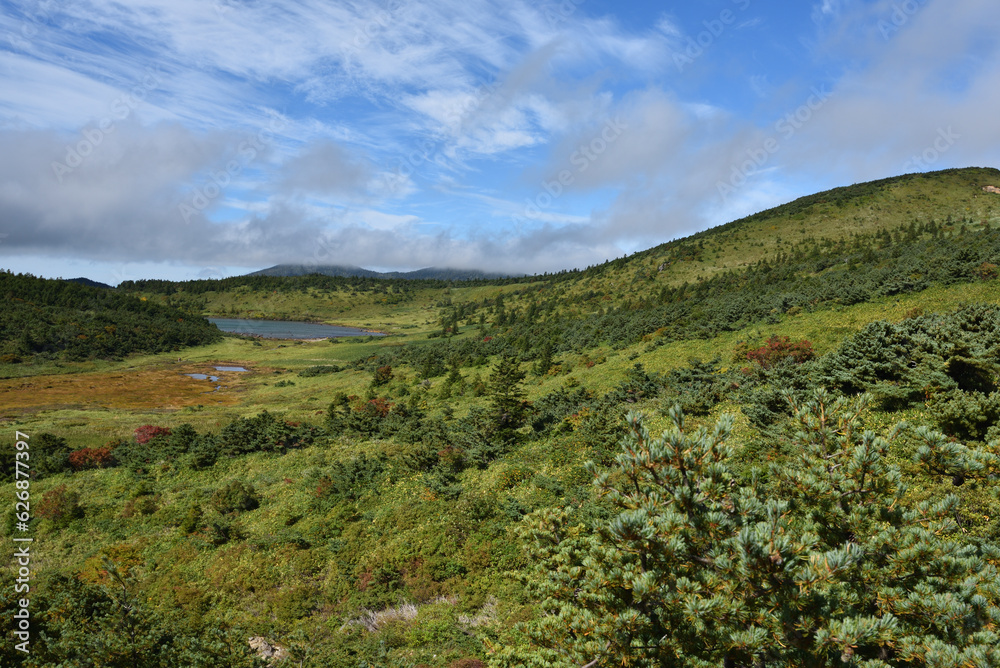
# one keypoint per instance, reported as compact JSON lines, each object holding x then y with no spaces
{"x":697,"y":568}
{"x":508,"y":408}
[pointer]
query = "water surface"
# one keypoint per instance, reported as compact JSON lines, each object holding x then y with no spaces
{"x":283,"y":329}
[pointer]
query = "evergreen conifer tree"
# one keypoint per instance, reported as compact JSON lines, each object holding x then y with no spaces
{"x":544,"y":362}
{"x":823,"y":566}
{"x":508,"y":408}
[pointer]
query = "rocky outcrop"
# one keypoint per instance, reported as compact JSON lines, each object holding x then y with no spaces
{"x":265,"y":650}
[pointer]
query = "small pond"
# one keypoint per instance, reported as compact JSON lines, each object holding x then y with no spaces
{"x":282,"y":329}
{"x":215,"y":379}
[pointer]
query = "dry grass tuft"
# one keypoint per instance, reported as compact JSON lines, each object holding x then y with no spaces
{"x":155,"y":387}
{"x":373,"y":620}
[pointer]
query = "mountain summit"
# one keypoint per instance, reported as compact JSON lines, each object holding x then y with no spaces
{"x":427,"y":273}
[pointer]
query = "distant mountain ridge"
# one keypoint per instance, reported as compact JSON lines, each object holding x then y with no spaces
{"x":88,"y":282}
{"x":432,"y":273}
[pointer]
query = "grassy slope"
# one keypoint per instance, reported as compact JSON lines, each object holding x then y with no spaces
{"x":837,"y":214}
{"x":403,"y":518}
{"x":949,"y":198}
{"x":89,"y":421}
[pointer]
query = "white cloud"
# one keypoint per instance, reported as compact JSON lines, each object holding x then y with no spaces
{"x":360,"y":88}
{"x":898,"y":105}
{"x":759,"y":85}
{"x":669,"y":27}
{"x":378,"y":220}
{"x":42,"y":95}
{"x":326,"y":168}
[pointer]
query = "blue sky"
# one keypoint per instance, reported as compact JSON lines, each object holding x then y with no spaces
{"x":192,"y":138}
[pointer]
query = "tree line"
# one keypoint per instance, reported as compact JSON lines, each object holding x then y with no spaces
{"x":55,"y":319}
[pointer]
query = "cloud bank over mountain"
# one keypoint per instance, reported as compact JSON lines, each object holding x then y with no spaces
{"x":502,"y":136}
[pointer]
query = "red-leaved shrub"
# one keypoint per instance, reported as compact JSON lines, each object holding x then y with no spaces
{"x":92,"y":458}
{"x":148,"y":432}
{"x":780,"y":348}
{"x":60,"y":505}
{"x":379,"y":406}
{"x":467,"y":663}
{"x":323,"y":488}
{"x":383,"y":375}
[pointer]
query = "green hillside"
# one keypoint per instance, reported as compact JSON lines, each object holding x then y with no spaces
{"x":911,"y":207}
{"x":427,"y":273}
{"x":46,"y":320}
{"x":947,"y":198}
{"x":425,"y":499}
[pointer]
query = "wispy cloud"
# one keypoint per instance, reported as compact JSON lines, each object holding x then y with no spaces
{"x":469,"y":132}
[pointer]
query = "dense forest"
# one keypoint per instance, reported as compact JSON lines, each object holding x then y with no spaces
{"x":56,"y":319}
{"x":320,"y":281}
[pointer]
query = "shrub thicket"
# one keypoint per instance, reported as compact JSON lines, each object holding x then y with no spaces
{"x":697,"y":568}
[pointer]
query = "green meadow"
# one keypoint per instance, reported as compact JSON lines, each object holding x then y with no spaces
{"x":424,"y":498}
